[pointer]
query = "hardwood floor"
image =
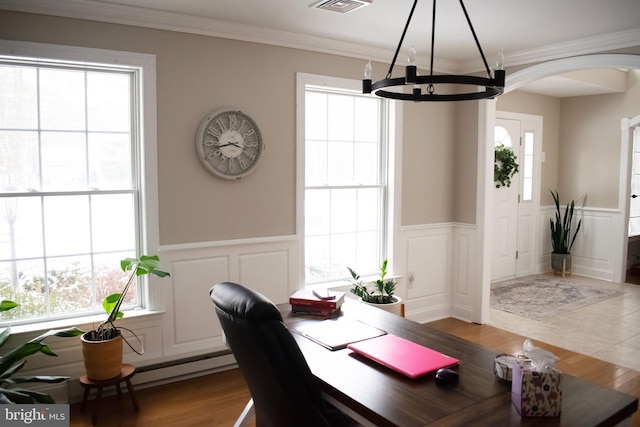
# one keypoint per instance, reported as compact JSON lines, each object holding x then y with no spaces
{"x":210,"y":400}
{"x":218,"y":399}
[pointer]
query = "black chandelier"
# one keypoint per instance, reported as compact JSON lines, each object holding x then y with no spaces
{"x":493,"y":86}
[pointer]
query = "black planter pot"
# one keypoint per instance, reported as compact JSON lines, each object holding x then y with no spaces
{"x":561,"y":262}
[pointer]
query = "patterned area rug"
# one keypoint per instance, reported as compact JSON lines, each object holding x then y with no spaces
{"x":542,"y":296}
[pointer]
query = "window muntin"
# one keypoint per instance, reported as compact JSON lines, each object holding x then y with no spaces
{"x":69,"y":186}
{"x":527,"y":166}
{"x":345,"y":183}
{"x":525,"y":158}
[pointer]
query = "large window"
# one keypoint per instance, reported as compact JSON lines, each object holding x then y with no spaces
{"x":70,"y":185}
{"x":346,"y":167}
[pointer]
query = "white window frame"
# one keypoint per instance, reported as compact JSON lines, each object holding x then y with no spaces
{"x":145,"y":65}
{"x":394,"y":161}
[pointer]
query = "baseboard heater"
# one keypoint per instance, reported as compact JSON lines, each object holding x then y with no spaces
{"x":182,"y":369}
{"x":154,"y":375}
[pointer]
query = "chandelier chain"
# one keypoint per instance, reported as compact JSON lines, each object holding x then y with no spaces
{"x":433,"y":35}
{"x":404,"y":33}
{"x":475,"y":37}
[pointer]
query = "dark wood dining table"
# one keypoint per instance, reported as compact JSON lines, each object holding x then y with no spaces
{"x":385,"y":398}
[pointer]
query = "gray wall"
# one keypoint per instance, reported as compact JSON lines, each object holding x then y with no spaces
{"x":581,"y":141}
{"x":197,"y":74}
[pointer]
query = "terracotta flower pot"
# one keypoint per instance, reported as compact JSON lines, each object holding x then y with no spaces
{"x":102,"y":359}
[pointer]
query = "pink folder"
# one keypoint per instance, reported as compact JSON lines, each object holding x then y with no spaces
{"x":401,"y":355}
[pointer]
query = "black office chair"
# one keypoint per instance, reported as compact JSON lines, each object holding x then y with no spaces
{"x":284,"y":391}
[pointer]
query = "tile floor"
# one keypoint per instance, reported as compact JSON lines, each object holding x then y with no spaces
{"x":608,"y":330}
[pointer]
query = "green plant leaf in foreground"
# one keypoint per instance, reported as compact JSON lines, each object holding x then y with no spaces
{"x":13,"y":362}
{"x":6,"y":305}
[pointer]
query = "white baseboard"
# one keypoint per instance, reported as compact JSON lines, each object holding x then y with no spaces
{"x":429,"y":314}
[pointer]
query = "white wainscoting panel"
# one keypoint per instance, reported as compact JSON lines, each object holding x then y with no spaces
{"x":427,"y":258}
{"x":526,"y":248}
{"x":149,"y":332}
{"x":594,"y":253}
{"x":464,"y":277}
{"x":190,"y":326}
{"x":593,"y":250}
{"x":192,"y":280}
{"x":267,"y":273}
{"x":428,"y":250}
{"x":442,"y":260}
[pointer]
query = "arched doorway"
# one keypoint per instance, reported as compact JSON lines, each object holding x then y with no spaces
{"x":486,"y":120}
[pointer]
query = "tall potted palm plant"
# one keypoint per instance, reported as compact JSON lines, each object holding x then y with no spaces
{"x":562,"y":237}
{"x":102,"y":347}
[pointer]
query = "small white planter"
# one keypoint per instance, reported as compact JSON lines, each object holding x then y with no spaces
{"x":395,"y":307}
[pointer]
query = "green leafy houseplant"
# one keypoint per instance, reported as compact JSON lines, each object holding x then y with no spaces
{"x":102,"y":347}
{"x":561,"y":237}
{"x":111,"y":304}
{"x":13,"y":362}
{"x":382,"y":292}
{"x":504,"y":166}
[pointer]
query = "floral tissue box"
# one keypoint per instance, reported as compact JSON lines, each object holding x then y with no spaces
{"x":536,"y":394}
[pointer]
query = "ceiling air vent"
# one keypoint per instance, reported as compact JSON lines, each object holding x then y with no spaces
{"x":341,"y":6}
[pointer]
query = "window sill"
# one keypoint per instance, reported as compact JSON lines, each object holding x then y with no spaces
{"x":368,"y":280}
{"x":329,"y":285}
{"x":94,"y":319}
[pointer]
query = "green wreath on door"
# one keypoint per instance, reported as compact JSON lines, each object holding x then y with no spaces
{"x":504,"y":166}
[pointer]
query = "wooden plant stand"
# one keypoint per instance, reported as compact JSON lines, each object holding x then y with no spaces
{"x":128,"y":371}
{"x":564,"y":270}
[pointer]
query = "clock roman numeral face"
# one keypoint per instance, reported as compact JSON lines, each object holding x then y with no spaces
{"x":229,"y":144}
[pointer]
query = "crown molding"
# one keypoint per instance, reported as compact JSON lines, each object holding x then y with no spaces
{"x":587,"y":46}
{"x":564,"y":65}
{"x":139,"y":17}
{"x":135,"y":16}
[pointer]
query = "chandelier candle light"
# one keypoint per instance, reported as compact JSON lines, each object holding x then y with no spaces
{"x":493,"y":85}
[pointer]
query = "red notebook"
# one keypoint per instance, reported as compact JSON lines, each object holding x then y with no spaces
{"x":401,"y":355}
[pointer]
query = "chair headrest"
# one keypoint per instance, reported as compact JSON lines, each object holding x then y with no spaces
{"x":241,"y":302}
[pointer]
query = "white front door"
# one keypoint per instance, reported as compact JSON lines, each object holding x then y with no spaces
{"x":505,"y":207}
{"x":515,"y":207}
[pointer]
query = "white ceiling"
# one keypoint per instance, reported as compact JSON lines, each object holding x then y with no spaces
{"x":570,"y":84}
{"x":525,"y":30}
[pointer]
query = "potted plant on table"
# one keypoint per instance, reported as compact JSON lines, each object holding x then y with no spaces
{"x":562,"y":238}
{"x":102,"y":347}
{"x":13,"y":362}
{"x":382,"y":295}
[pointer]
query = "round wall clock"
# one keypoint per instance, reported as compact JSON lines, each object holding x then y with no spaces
{"x":229,"y":143}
